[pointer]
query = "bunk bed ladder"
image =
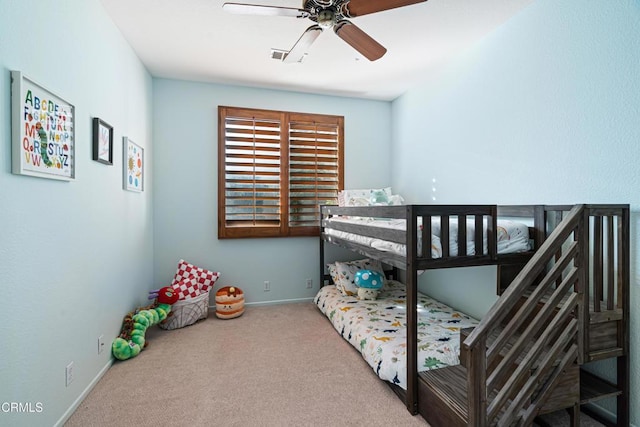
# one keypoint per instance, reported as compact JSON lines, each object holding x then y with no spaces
{"x":522,"y":359}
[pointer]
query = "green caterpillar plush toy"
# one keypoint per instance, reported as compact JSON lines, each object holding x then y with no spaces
{"x":131,"y":340}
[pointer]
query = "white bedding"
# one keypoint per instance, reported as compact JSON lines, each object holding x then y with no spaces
{"x":378,"y":329}
{"x":512,"y":236}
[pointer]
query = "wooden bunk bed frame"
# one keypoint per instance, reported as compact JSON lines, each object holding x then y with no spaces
{"x":560,"y":306}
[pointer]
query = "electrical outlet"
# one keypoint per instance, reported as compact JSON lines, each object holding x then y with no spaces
{"x":69,"y":375}
{"x":267,"y":286}
{"x":100,"y":343}
{"x":309,"y":283}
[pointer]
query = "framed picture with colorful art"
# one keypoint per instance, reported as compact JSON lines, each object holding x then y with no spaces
{"x":102,"y":141}
{"x":133,"y":165}
{"x":42,"y":131}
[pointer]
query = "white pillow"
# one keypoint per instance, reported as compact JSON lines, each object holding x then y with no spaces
{"x":333,"y":272}
{"x":395,"y":200}
{"x":360,"y":197}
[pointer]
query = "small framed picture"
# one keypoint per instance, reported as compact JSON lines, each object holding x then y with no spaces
{"x":102,"y":142}
{"x":133,"y":165}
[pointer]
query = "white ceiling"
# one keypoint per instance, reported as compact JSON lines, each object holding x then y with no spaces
{"x":197,"y":40}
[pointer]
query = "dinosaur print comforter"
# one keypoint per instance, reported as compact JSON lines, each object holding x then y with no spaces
{"x":378,"y":329}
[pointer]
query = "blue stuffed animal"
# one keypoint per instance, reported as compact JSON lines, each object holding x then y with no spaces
{"x":369,"y":283}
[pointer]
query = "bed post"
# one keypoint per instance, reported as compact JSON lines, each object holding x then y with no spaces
{"x":623,"y":362}
{"x":412,"y":311}
{"x":539,"y":226}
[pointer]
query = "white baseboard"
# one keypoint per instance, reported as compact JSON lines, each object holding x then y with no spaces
{"x":83,"y":395}
{"x":276,"y":302}
{"x":282,"y":301}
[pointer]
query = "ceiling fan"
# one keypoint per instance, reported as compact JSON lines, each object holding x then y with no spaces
{"x":327,"y":14}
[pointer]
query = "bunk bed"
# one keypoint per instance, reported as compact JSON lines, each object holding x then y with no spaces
{"x":563,"y":303}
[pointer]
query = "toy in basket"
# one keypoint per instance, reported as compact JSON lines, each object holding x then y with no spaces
{"x":187,"y":312}
{"x":229,"y":302}
{"x":192,"y":285}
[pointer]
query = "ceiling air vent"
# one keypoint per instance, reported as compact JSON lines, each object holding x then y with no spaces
{"x":278,"y":54}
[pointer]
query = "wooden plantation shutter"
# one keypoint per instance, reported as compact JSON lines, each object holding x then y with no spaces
{"x":250,"y":186}
{"x":314,"y":169}
{"x":274,"y":168}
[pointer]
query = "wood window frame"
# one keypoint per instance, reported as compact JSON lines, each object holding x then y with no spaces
{"x":284,"y":226}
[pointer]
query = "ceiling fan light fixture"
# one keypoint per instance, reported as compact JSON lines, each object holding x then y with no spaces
{"x":326,"y":18}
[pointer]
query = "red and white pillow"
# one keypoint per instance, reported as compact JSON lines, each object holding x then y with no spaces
{"x":190,"y":280}
{"x":187,"y":288}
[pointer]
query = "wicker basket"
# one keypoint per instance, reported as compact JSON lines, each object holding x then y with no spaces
{"x":187,"y":312}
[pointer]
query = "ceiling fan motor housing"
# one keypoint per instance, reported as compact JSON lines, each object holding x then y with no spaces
{"x":321,"y":3}
{"x":315,"y":7}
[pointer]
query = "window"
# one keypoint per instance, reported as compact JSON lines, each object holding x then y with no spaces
{"x":274,"y":169}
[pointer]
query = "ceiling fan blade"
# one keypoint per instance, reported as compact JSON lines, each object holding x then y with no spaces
{"x":354,"y":8}
{"x":359,"y":40}
{"x":299,"y":49}
{"x":255,"y":9}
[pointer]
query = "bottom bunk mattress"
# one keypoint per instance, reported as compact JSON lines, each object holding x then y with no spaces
{"x":377,"y":329}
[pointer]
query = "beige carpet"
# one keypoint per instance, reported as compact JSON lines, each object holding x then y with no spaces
{"x":280,"y":365}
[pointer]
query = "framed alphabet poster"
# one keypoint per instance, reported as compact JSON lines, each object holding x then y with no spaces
{"x":42,"y":131}
{"x":133,"y":165}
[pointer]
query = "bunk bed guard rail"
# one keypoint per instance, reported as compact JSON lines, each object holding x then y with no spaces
{"x":418,"y":246}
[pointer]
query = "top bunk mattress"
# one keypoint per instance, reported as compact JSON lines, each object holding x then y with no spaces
{"x":377,"y":329}
{"x":512,"y":236}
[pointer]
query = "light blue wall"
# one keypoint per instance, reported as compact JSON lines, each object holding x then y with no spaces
{"x":544,"y":110}
{"x":185,"y":187}
{"x":74,"y":256}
